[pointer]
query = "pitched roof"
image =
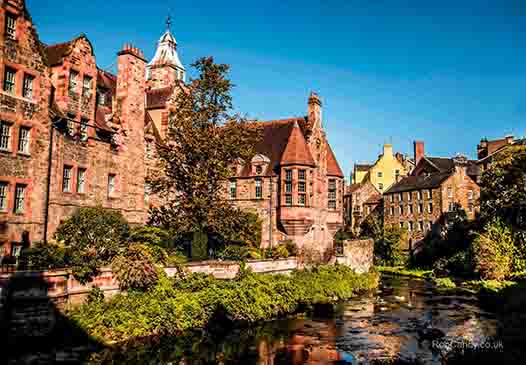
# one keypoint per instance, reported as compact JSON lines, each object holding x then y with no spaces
{"x":362,"y":167}
{"x":274,"y":139}
{"x":157,"y":98}
{"x":409,"y":183}
{"x":296,"y":151}
{"x":56,"y":52}
{"x":106,"y":79}
{"x":352,"y":188}
{"x":333,"y":168}
{"x":442,"y":164}
{"x":374,"y":199}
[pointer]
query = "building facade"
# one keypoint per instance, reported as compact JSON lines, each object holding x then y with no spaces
{"x":74,"y":135}
{"x":422,"y":202}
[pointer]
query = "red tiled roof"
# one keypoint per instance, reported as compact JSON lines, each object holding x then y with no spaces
{"x":106,"y":80}
{"x":157,"y":98}
{"x":296,"y":152}
{"x":333,"y":168}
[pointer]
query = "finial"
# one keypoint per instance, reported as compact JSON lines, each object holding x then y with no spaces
{"x":168,"y":22}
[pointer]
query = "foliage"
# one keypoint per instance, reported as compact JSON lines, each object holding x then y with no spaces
{"x":445,"y":283}
{"x":172,"y":307}
{"x":44,"y":256}
{"x":503,"y":187}
{"x":235,"y":252}
{"x":401,"y":271}
{"x":93,"y":236}
{"x":95,"y":295}
{"x":372,"y":227}
{"x":388,"y":248}
{"x":205,"y":141}
{"x":493,"y":250}
{"x":152,"y":236}
{"x":199,"y":246}
{"x":280,"y":251}
{"x":291,"y":247}
{"x":241,"y":228}
{"x":135,"y":268}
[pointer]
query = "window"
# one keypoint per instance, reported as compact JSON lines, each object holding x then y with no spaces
{"x":5,"y":136}
{"x":147,"y":192}
{"x":301,"y":174}
{"x":430,"y":194}
{"x":301,"y":200}
{"x":84,"y":130}
{"x":111,"y":184}
{"x":288,"y":200}
{"x":233,"y":189}
{"x":259,"y":169}
{"x":451,"y":206}
{"x":401,"y":209}
{"x":259,"y":188}
{"x":301,"y":187}
{"x":73,"y":76}
{"x":410,"y":226}
{"x":391,"y":198}
{"x":101,"y":97}
{"x":449,"y":192}
{"x":10,"y":26}
{"x":420,"y":225}
{"x":419,"y":194}
{"x":392,"y":210}
{"x":380,"y":186}
{"x":430,"y":208}
{"x":81,"y":180}
{"x":288,"y":181}
{"x":86,"y":87}
{"x":410,"y":206}
{"x":27,"y":91}
{"x":71,"y":124}
{"x":470,"y":194}
{"x":409,"y":196}
{"x":9,"y":80}
{"x":23,"y":139}
{"x":420,"y":208}
{"x":66,"y":179}
{"x":379,"y":174}
{"x":332,"y":194}
{"x":4,"y":187}
{"x":20,"y":198}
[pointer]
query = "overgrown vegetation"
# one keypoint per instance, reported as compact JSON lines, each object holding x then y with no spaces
{"x":173,"y":306}
{"x":135,"y":268}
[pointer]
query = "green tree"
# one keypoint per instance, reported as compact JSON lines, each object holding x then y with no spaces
{"x":503,"y":187}
{"x":204,"y":141}
{"x":388,"y":249}
{"x":92,"y":236}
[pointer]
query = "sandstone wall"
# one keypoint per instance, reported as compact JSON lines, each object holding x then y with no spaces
{"x":357,"y":254}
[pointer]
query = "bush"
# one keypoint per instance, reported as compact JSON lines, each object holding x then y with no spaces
{"x":280,"y":251}
{"x":93,"y":237}
{"x":199,"y":246}
{"x":151,"y":236}
{"x":135,"y":268}
{"x":242,"y":228}
{"x":388,"y":249}
{"x":45,"y":256}
{"x":493,"y":250}
{"x":446,"y":283}
{"x":95,"y":295}
{"x":291,"y":247}
{"x":235,"y":253}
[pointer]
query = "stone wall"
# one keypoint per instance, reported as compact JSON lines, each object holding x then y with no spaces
{"x":357,"y":254}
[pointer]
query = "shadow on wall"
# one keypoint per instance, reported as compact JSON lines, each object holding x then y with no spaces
{"x":33,"y":328}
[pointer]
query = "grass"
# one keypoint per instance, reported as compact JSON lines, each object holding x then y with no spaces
{"x":403,"y":271}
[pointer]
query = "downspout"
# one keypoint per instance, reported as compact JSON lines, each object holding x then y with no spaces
{"x":48,"y":187}
{"x":270,"y":212}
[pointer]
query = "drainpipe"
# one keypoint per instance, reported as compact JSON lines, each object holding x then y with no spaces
{"x":48,"y":187}
{"x":270,"y":212}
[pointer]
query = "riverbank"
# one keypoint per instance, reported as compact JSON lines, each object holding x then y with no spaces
{"x":176,"y":305}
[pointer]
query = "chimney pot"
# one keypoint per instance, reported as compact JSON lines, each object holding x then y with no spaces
{"x":419,"y":151}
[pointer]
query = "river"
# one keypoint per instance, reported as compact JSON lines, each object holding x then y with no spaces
{"x":405,"y":319}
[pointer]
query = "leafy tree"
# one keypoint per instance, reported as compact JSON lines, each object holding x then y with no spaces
{"x":135,"y":268}
{"x":503,"y":187}
{"x":92,"y":236}
{"x":388,"y":249}
{"x":372,"y":227}
{"x":204,"y":141}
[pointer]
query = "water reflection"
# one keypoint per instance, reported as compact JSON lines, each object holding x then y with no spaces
{"x":399,"y":321}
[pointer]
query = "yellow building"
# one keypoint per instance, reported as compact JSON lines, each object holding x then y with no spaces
{"x":385,"y":171}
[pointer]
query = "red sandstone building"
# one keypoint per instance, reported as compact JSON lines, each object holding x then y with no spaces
{"x":74,"y":135}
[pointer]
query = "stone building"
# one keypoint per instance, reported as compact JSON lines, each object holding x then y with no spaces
{"x":488,"y":149}
{"x":294,"y":182}
{"x":74,"y":135}
{"x":437,"y":188}
{"x":360,"y":201}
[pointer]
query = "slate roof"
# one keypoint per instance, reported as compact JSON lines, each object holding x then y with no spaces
{"x":106,"y":79}
{"x":410,"y":183}
{"x":442,"y":164}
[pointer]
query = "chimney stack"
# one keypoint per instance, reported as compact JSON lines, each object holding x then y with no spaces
{"x":388,"y":150}
{"x":314,"y":111}
{"x":419,"y":151}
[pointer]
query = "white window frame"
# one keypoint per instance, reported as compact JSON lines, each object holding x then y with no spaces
{"x":24,"y":139}
{"x":67,"y":175}
{"x":20,"y":198}
{"x":233,"y":189}
{"x":111,"y":184}
{"x":4,"y":194}
{"x":84,"y":123}
{"x":81,"y":180}
{"x":27,"y":87}
{"x":9,"y":80}
{"x":259,"y":188}
{"x":5,"y":136}
{"x":10,"y":25}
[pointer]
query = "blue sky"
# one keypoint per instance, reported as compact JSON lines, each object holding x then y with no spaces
{"x":387,"y":71}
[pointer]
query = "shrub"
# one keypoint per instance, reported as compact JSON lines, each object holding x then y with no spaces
{"x":135,"y":268}
{"x":43,"y":256}
{"x":151,"y":236}
{"x":242,"y":228}
{"x":388,"y":249}
{"x":493,"y":251}
{"x":291,"y":247}
{"x":199,"y":246}
{"x":93,"y":236}
{"x":280,"y":251}
{"x":235,"y":252}
{"x":446,"y":283}
{"x":95,"y":295}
